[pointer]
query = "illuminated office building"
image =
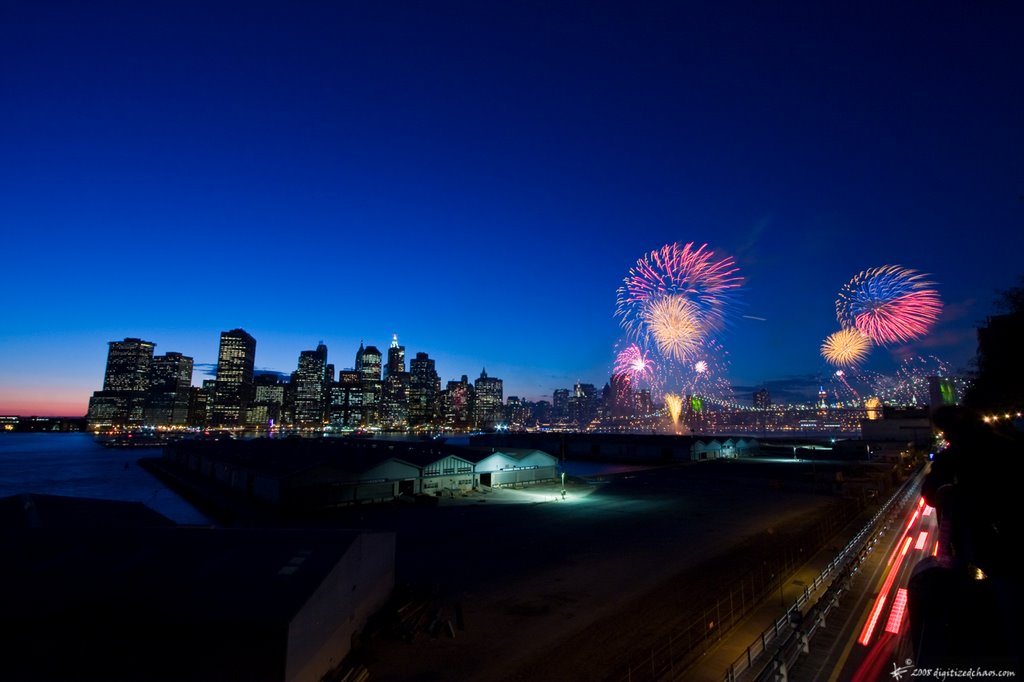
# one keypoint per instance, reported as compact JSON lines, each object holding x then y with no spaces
{"x":122,"y":401}
{"x":347,"y":401}
{"x":487,"y":406}
{"x":170,"y":383}
{"x":396,"y":358}
{"x":234,"y":388}
{"x":457,"y":402}
{"x":762,"y":399}
{"x":265,"y":410}
{"x":311,"y":384}
{"x":368,"y":364}
{"x":424,"y":390}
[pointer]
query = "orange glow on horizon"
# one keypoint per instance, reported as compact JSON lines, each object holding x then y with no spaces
{"x":41,"y":401}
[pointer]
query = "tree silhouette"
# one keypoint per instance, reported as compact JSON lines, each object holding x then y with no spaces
{"x":999,"y":378}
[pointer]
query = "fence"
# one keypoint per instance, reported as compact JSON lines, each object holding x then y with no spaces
{"x":788,"y":641}
{"x":715,"y":617}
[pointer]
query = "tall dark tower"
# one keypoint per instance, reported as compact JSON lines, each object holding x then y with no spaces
{"x":487,"y":407}
{"x":424,"y":391}
{"x":396,"y":358}
{"x":368,"y":361}
{"x":125,"y":385}
{"x":310,"y":385}
{"x":234,"y":388}
{"x":368,"y":365}
{"x":128,"y":364}
{"x":170,"y":383}
{"x":762,"y":399}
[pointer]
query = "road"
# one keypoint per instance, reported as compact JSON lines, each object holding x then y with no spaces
{"x":866,"y":636}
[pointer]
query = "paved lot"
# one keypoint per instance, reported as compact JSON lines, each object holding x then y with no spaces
{"x":523,"y":585}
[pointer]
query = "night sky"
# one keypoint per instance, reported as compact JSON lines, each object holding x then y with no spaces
{"x":480,"y":177}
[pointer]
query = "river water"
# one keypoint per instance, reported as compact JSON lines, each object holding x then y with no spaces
{"x":74,"y":465}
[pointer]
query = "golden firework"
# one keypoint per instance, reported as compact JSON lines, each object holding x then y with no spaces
{"x":846,"y":348}
{"x":675,"y":324}
{"x":674,"y":403}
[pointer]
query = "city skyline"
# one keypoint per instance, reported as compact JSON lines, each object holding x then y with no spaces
{"x":480,"y":180}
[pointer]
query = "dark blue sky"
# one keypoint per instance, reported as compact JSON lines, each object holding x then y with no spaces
{"x":479,"y":177}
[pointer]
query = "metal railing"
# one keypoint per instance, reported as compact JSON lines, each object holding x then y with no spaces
{"x":789,"y":636}
{"x":711,"y":622}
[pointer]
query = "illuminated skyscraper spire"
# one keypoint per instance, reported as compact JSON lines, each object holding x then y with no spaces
{"x":396,"y":358}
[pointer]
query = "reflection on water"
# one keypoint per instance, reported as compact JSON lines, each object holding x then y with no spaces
{"x":73,"y":464}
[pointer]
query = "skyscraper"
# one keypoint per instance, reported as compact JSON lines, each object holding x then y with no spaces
{"x":347,"y":401}
{"x":487,"y":407}
{"x":170,"y":381}
{"x":122,"y":401}
{"x":762,"y":399}
{"x":424,"y":389}
{"x":128,"y":365}
{"x":621,"y":399}
{"x":265,"y":409}
{"x":368,"y":361}
{"x":560,"y":405}
{"x":396,"y":358}
{"x":234,"y":388}
{"x":311,"y":388}
{"x":583,"y":404}
{"x":458,"y":404}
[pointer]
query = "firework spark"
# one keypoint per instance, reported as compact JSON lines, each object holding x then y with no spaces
{"x":633,"y":361}
{"x":674,"y":323}
{"x":674,"y":404}
{"x":889,"y":304}
{"x":677,"y":271}
{"x":910,"y":385}
{"x":846,"y":348}
{"x":841,"y":376}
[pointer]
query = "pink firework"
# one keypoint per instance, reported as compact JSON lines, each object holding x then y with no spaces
{"x":684,"y":272}
{"x":632,"y":361}
{"x":889,"y":304}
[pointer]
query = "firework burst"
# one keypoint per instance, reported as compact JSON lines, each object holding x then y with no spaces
{"x":633,"y":361}
{"x":910,"y":385}
{"x":840,"y":376}
{"x":889,"y":304}
{"x":685,"y":272}
{"x":706,"y":375}
{"x":674,"y":404}
{"x":674,"y":323}
{"x":846,"y":348}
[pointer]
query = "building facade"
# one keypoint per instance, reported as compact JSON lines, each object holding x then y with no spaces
{"x":125,"y":392}
{"x":487,"y":406}
{"x":312,"y":387}
{"x":424,"y":390}
{"x":234,"y":386}
{"x":170,"y":384}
